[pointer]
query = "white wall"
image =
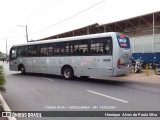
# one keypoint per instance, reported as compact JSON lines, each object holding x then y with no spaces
{"x":145,"y":44}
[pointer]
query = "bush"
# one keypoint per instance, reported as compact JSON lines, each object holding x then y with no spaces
{"x":2,"y":80}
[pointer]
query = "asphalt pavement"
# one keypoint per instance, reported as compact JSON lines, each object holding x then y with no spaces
{"x":39,"y":92}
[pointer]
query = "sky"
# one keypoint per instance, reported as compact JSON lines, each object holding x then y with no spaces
{"x":45,"y":18}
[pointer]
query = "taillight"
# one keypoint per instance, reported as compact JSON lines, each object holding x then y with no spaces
{"x":118,"y":63}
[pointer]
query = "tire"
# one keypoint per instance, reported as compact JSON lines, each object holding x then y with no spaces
{"x":157,"y":71}
{"x":67,"y":73}
{"x":23,"y":72}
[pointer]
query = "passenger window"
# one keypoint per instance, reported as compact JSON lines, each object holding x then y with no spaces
{"x":22,"y":52}
{"x":81,"y":47}
{"x":59,"y":49}
{"x":46,"y":50}
{"x":101,"y":46}
{"x":33,"y":51}
{"x":96,"y":48}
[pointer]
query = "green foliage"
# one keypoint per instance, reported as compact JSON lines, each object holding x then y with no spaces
{"x":2,"y":80}
{"x":0,"y":54}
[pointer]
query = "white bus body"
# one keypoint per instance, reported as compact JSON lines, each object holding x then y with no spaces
{"x":95,"y":56}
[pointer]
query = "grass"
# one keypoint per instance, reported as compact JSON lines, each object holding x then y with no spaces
{"x":2,"y":80}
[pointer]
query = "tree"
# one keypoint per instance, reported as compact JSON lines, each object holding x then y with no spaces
{"x":0,"y":54}
{"x":2,"y":80}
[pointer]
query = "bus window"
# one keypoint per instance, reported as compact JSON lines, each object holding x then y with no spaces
{"x":22,"y":51}
{"x":83,"y":47}
{"x":13,"y":53}
{"x":46,"y":50}
{"x":80,"y":47}
{"x":33,"y":51}
{"x":50,"y":51}
{"x":101,"y":46}
{"x":67,"y":49}
{"x":107,"y":46}
{"x":59,"y":48}
{"x":96,"y":48}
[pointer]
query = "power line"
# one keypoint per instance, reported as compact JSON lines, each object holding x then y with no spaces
{"x":45,"y":7}
{"x":70,"y":17}
{"x":40,"y":9}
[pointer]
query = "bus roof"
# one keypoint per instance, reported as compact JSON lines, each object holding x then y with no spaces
{"x":68,"y":39}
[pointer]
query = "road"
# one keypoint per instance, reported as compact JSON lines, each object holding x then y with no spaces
{"x":37,"y":92}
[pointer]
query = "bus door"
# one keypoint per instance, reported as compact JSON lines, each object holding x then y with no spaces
{"x":13,"y":59}
{"x":124,"y":60}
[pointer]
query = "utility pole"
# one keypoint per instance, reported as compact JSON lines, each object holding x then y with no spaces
{"x":153,"y":33}
{"x":26,"y":31}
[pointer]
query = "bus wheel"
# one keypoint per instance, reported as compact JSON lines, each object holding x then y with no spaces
{"x":23,"y":72}
{"x":67,"y":73}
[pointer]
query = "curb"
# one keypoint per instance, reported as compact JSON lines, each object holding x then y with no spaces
{"x":140,"y":83}
{"x":6,"y":107}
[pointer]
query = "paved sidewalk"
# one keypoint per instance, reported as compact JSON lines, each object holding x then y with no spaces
{"x":142,"y":77}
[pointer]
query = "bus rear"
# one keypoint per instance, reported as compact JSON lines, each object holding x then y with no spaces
{"x":122,"y":61}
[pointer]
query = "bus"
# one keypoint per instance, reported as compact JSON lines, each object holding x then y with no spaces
{"x":96,"y":55}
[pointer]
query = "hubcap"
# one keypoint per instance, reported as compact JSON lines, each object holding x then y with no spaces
{"x":22,"y":69}
{"x":67,"y":73}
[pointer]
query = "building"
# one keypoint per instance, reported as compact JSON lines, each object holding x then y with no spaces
{"x":144,"y":33}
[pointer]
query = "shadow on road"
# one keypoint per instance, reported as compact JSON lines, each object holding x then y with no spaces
{"x":79,"y":79}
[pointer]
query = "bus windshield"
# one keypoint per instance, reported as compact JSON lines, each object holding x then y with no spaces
{"x":123,"y":41}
